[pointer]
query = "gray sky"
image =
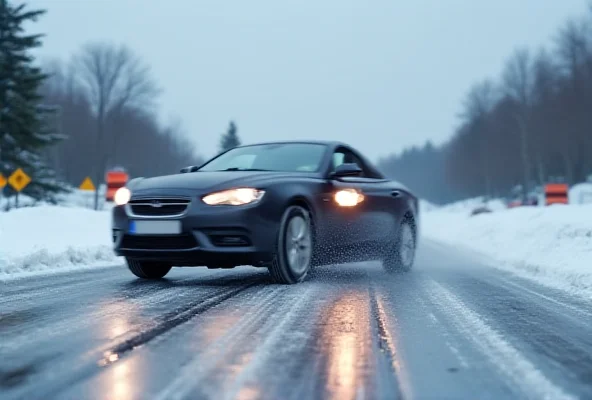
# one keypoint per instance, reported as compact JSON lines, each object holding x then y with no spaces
{"x":379,"y":74}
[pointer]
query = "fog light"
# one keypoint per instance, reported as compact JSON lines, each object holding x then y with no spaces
{"x":348,"y":197}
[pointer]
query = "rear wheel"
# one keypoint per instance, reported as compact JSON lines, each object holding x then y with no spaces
{"x":148,"y":269}
{"x":400,"y":257}
{"x":293,"y":256}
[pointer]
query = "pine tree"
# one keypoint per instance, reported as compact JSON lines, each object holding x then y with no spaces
{"x":25,"y":131}
{"x":230,"y":139}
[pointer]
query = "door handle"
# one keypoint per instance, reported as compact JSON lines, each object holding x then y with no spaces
{"x":396,"y":193}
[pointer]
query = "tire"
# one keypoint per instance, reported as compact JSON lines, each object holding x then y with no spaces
{"x":148,"y":270}
{"x":400,"y":257}
{"x":295,"y":243}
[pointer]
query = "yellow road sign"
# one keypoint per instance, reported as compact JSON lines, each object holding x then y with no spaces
{"x":2,"y":181}
{"x":87,"y":184}
{"x":19,"y":180}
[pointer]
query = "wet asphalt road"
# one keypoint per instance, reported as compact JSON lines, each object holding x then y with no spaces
{"x":451,"y":329}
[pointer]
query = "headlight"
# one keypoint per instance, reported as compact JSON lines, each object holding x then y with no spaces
{"x":234,"y":197}
{"x":122,"y":196}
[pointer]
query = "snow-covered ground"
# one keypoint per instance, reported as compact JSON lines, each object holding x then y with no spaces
{"x":76,"y":198}
{"x":39,"y":239}
{"x":552,"y":245}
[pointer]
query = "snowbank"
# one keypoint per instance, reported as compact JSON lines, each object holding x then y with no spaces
{"x":552,"y":245}
{"x":466,"y":206}
{"x":43,"y":239}
{"x":426,"y":206}
{"x":76,"y":198}
{"x":581,"y":193}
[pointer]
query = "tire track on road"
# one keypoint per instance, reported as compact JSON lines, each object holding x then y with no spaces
{"x":509,"y":362}
{"x":208,"y":371}
{"x":102,"y":356}
{"x":396,"y":382}
{"x":57,"y":316}
{"x":552,"y":329}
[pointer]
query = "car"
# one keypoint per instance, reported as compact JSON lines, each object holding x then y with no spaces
{"x":287,"y":206}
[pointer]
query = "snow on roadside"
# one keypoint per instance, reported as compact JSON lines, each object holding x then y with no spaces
{"x":38,"y":240}
{"x":76,"y":198}
{"x":470,"y":204}
{"x":552,"y":245}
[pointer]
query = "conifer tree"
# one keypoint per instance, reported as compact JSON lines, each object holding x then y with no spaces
{"x":26,"y":131}
{"x":230,"y":139}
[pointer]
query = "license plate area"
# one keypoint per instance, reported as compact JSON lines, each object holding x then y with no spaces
{"x":137,"y":227}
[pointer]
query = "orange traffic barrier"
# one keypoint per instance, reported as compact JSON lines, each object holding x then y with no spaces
{"x":114,"y":180}
{"x":556,"y":193}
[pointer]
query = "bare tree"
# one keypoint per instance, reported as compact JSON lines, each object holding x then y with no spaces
{"x":573,"y":52}
{"x":477,"y":107}
{"x":115,"y":79}
{"x":544,"y":113}
{"x":518,"y":86}
{"x":540,"y":125}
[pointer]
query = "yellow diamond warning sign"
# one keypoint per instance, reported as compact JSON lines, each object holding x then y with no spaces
{"x":19,"y":180}
{"x":2,"y":181}
{"x":87,"y":184}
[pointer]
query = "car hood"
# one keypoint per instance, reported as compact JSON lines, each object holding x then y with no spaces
{"x":206,"y":180}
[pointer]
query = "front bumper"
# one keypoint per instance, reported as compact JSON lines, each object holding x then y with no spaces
{"x":219,"y":236}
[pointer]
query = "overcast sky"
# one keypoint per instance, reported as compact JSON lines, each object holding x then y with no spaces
{"x":379,"y":74}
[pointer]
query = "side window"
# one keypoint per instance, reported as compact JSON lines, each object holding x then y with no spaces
{"x":337,"y":159}
{"x":343,"y":156}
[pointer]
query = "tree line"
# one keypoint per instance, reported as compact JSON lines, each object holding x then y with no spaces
{"x":65,"y":120}
{"x":106,"y":100}
{"x":530,"y":126}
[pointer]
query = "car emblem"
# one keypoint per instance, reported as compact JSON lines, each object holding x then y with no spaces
{"x":156,"y":203}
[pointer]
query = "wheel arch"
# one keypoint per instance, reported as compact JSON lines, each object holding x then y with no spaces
{"x":410,"y":215}
{"x":302,"y":201}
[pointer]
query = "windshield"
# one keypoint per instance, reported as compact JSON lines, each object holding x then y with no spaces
{"x":288,"y":157}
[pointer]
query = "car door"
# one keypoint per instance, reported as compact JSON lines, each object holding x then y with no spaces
{"x":369,"y":221}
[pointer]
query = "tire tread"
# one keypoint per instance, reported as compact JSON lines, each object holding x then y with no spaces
{"x":144,"y":271}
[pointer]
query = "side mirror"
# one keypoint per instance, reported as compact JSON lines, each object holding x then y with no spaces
{"x":345,"y":170}
{"x":191,"y":168}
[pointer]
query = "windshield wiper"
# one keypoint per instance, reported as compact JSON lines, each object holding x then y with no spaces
{"x":244,"y":169}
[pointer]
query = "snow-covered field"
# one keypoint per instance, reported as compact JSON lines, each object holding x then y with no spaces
{"x":551,"y":245}
{"x":44,"y":239}
{"x":40,"y":238}
{"x":76,"y":198}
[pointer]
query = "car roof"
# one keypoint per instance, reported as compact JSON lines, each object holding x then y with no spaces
{"x":331,"y":143}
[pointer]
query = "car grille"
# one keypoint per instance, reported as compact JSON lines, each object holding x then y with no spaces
{"x":155,"y":207}
{"x":178,"y":242}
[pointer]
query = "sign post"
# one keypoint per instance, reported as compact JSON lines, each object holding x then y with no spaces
{"x":87,"y":185}
{"x":18,"y":180}
{"x":3,"y":183}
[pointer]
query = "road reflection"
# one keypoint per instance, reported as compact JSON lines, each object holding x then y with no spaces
{"x":209,"y":348}
{"x":225,"y":354}
{"x":249,"y":393}
{"x":122,"y":378}
{"x":345,"y":341}
{"x":118,"y":318}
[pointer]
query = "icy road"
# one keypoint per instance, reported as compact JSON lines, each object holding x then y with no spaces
{"x":451,"y":329}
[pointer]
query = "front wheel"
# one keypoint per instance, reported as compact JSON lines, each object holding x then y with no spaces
{"x":148,"y":269}
{"x":293,"y":256}
{"x":400,"y":257}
